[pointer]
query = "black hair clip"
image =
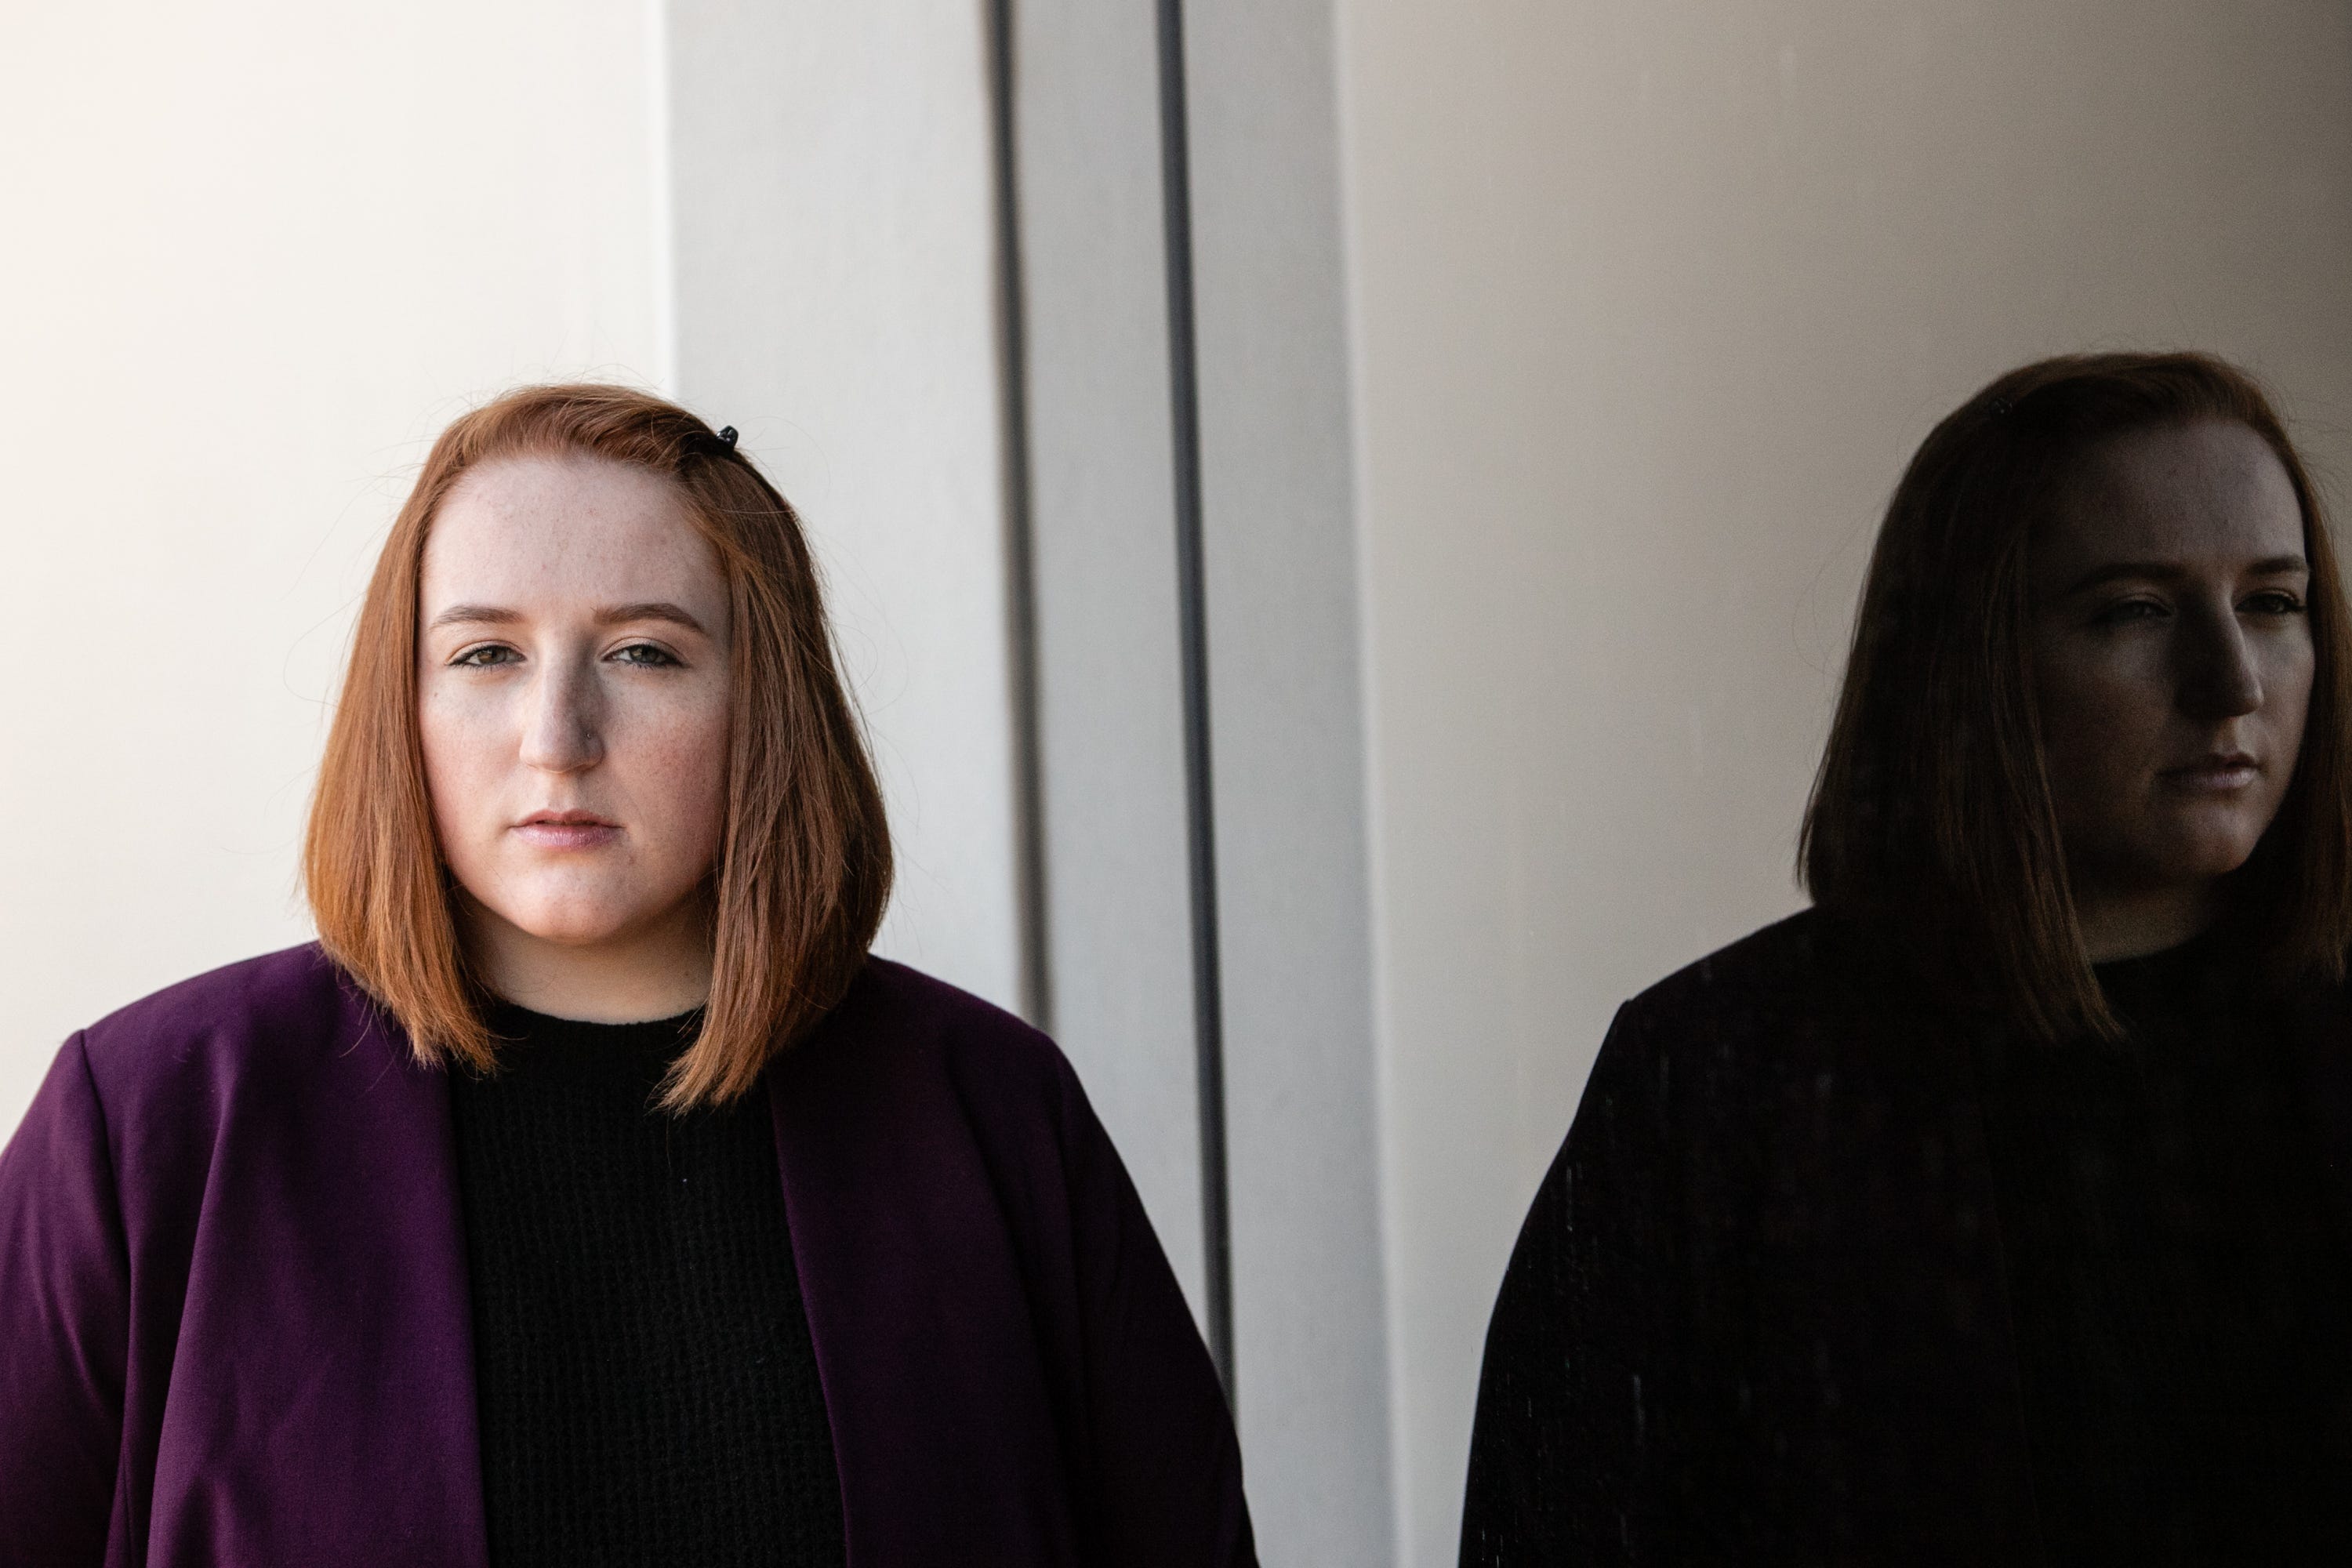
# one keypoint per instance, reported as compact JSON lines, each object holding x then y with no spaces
{"x":2001,"y":406}
{"x":727,"y":436}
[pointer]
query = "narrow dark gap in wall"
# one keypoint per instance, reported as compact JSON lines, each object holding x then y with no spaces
{"x":1019,"y":576}
{"x":1208,"y":986}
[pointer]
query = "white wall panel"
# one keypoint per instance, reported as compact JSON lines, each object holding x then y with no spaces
{"x":1286,"y":702}
{"x":1110,"y":694}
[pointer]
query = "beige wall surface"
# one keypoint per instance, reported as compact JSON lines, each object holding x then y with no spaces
{"x":258,"y":252}
{"x":1652,"y":300}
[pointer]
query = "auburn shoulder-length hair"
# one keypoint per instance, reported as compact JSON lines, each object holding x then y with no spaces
{"x":1931,"y":816}
{"x":803,"y":866}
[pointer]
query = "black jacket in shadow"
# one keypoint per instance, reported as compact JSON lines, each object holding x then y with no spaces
{"x":1759,"y":1310}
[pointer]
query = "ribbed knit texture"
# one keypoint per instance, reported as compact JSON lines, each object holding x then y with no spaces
{"x":646,"y":1387}
{"x":2178,"y":1282}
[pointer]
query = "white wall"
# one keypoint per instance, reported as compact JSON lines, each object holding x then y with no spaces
{"x":1652,"y":300}
{"x":1285,"y":703}
{"x":838,"y":303}
{"x":257,"y":253}
{"x":1102,"y":512}
{"x":1286,"y":754}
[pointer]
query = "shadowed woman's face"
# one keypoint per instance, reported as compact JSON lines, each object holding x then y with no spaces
{"x":2173,"y":660}
{"x":573,"y":696}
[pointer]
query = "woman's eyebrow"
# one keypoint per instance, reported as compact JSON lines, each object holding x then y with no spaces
{"x":2172,"y":571}
{"x":479,"y":615}
{"x":650,"y":610}
{"x":605,"y":616}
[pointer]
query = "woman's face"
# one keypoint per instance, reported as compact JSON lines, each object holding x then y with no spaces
{"x":573,"y":694}
{"x":2172,"y":658}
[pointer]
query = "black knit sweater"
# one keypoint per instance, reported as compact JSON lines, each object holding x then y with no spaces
{"x":1834,"y":1270}
{"x":646,"y":1387}
{"x":2179,"y":1279}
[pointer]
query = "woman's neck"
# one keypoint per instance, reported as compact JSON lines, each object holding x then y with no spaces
{"x":656,"y":972}
{"x":2117,"y":925}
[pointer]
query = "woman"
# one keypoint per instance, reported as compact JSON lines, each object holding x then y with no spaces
{"x":1993,"y":1210}
{"x":587,"y":1194}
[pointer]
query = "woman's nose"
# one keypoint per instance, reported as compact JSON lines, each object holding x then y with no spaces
{"x":560,"y":725}
{"x":2222,"y":680}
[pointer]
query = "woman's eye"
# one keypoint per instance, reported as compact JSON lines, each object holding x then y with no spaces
{"x":2128,"y":611}
{"x":482,"y":658}
{"x":2277,"y":603}
{"x":644,"y":653}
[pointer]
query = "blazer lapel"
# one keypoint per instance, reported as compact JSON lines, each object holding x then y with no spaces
{"x":929,"y":1357}
{"x":325,"y":1351}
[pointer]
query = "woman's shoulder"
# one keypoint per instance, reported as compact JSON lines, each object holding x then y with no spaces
{"x":280,"y":1057}
{"x":917,"y":1040}
{"x":271,"y":1011}
{"x":1795,"y":968}
{"x":912,"y":1000}
{"x":1815,"y":999}
{"x":895,"y":1007}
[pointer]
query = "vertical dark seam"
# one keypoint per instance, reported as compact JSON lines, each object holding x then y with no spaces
{"x":1020,"y":555}
{"x":1208,"y":999}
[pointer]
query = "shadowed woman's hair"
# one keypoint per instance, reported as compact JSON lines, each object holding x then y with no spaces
{"x":1931,"y":818}
{"x":803,"y":866}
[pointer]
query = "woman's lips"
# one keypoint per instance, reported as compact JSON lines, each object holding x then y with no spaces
{"x":2215,"y":775}
{"x":566,"y":830}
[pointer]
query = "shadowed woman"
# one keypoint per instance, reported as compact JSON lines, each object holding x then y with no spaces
{"x":1994,"y":1209}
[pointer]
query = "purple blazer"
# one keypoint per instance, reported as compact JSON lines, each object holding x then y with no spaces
{"x":233,"y":1322}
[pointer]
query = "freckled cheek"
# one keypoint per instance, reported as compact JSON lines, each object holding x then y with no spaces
{"x":2287,"y":699}
{"x":678,"y":760}
{"x":2099,"y":729}
{"x":471,"y":744}
{"x":2294,"y":670}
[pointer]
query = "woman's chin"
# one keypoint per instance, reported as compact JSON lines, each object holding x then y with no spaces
{"x":2208,"y":840}
{"x":579,"y":939}
{"x":575,"y":928}
{"x":2189,"y":871}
